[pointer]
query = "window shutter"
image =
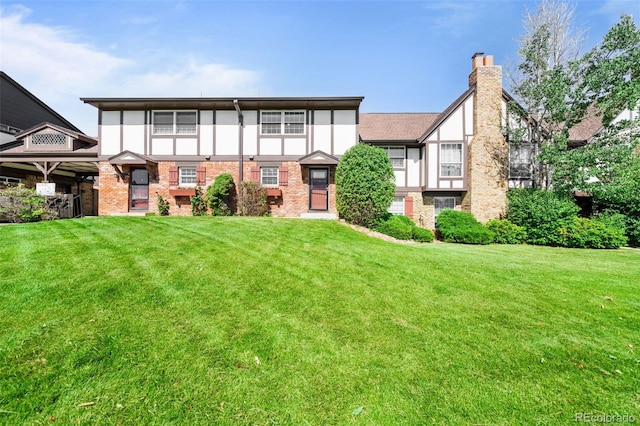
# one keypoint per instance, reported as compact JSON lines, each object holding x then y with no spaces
{"x":408,"y":206}
{"x":284,"y":176}
{"x":255,"y":174}
{"x":173,"y":175}
{"x":201,"y":175}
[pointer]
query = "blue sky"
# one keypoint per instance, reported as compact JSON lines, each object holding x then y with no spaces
{"x":402,"y":56}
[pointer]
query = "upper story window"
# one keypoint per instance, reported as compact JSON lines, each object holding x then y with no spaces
{"x":269,"y":176}
{"x":187,"y":176}
{"x":520,"y":161}
{"x":282,"y":122}
{"x":175,"y":122}
{"x":396,"y":154}
{"x":451,"y":160}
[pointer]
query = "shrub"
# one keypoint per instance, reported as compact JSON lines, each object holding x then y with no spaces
{"x":220,"y":194}
{"x":364,"y":184}
{"x":163,"y":206}
{"x":421,"y":235}
{"x":198,"y":205}
{"x":462,"y":227}
{"x":252,"y":200}
{"x":542,"y":213}
{"x":395,"y":227}
{"x":20,"y":204}
{"x":592,"y":233}
{"x":506,"y":232}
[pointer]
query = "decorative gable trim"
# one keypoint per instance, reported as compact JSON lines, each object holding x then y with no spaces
{"x":131,"y":158}
{"x":318,"y":158}
{"x":451,"y":109}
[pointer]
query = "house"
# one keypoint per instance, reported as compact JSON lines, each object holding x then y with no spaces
{"x":454,"y":159}
{"x":167,"y":147}
{"x":39,"y":145}
{"x":147,"y":147}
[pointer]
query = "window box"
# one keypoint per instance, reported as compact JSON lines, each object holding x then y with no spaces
{"x":274,"y":192}
{"x":180,"y":192}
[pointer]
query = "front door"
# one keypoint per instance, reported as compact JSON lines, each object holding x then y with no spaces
{"x":319,"y":189}
{"x":139,"y":190}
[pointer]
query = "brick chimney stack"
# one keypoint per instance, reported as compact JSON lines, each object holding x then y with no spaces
{"x":487,"y":183}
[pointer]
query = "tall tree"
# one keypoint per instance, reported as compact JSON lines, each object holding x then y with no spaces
{"x":540,"y":83}
{"x":599,"y":85}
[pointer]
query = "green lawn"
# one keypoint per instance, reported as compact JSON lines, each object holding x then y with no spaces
{"x":263,"y":321}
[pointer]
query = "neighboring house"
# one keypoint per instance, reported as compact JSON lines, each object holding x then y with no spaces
{"x":39,"y":145}
{"x":454,"y":159}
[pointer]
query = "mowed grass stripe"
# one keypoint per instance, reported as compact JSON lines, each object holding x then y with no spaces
{"x":267,"y":321}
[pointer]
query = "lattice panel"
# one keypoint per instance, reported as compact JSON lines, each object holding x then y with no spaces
{"x":48,"y":139}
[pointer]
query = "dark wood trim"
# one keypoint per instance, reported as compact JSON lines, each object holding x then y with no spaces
{"x":121,"y":131}
{"x":333,"y":150}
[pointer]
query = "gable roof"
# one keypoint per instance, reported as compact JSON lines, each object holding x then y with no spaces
{"x":129,"y":157}
{"x":376,"y":127}
{"x":21,"y":109}
{"x":76,"y":134}
{"x":447,"y":112}
{"x":318,"y":157}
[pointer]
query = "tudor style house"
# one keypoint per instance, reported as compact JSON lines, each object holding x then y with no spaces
{"x":169,"y":146}
{"x":460,"y":158}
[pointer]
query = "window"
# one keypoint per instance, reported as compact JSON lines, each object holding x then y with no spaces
{"x":187,"y":176}
{"x":269,"y":176}
{"x":8,"y":179}
{"x":397,"y":206}
{"x":451,"y":159}
{"x":48,"y":139}
{"x":175,"y":122}
{"x":443,"y":203}
{"x":520,"y":161}
{"x":282,"y":122}
{"x":396,"y":154}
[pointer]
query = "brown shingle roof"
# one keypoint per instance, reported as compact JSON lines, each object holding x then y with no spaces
{"x":395,"y":126}
{"x":586,"y":129}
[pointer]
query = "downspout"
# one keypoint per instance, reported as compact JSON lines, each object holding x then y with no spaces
{"x":236,"y":105}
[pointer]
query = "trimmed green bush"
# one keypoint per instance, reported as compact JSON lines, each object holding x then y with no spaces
{"x":506,"y":232}
{"x":542,"y":213}
{"x":364,"y":184}
{"x":591,"y":233}
{"x":422,"y":235}
{"x":394,"y":226}
{"x":220,"y":194}
{"x":462,"y":227}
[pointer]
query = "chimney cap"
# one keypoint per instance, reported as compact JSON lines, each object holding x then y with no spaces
{"x":475,"y":55}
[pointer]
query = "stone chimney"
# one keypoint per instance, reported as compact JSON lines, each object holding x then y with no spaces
{"x":488,"y":150}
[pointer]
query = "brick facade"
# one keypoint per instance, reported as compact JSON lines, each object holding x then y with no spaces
{"x":114,"y":191}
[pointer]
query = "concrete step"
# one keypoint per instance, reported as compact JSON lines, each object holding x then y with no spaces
{"x":318,"y":215}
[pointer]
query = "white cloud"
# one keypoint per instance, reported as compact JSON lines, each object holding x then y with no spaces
{"x":453,"y":18}
{"x":613,"y":9}
{"x":51,"y":63}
